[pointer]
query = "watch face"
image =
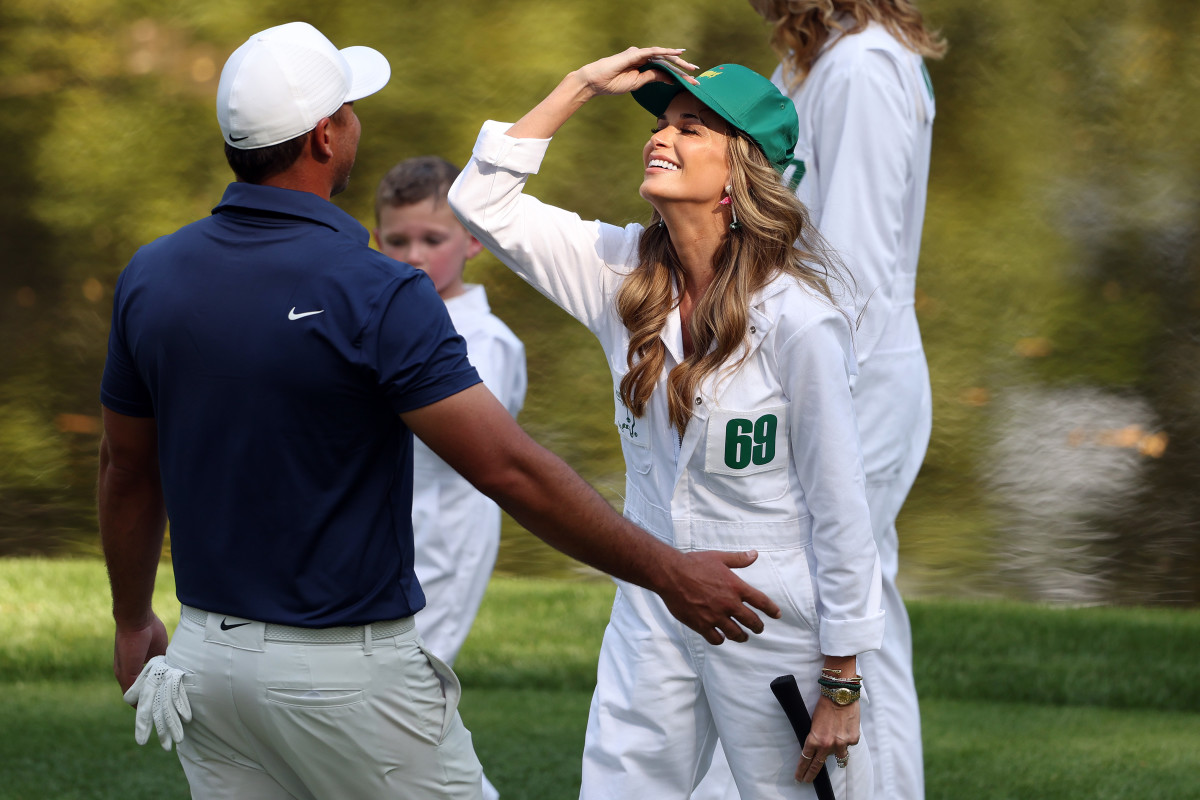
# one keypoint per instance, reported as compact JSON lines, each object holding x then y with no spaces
{"x":843,"y":696}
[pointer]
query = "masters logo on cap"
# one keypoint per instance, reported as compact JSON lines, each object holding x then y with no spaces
{"x":743,"y":98}
{"x":286,"y":79}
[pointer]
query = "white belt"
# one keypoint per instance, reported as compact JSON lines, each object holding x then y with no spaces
{"x":340,"y":635}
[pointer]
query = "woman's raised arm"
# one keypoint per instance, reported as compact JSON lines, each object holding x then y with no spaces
{"x":617,"y":74}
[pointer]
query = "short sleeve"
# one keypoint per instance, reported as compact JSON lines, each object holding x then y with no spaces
{"x":122,"y":388}
{"x":414,"y":349}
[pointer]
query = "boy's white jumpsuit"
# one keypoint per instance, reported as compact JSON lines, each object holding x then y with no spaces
{"x":456,"y":528}
{"x":769,"y":462}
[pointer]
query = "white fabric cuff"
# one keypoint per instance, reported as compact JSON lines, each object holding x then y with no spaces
{"x":516,"y":155}
{"x":849,"y":637}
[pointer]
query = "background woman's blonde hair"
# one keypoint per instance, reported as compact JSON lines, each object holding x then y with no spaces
{"x":775,"y":237}
{"x":802,"y":27}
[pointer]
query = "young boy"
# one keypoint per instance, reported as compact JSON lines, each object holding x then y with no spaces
{"x":456,"y":529}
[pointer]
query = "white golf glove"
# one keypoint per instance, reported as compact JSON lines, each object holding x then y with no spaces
{"x":161,"y":702}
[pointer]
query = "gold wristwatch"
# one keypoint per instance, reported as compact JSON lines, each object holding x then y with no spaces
{"x":841,"y":696}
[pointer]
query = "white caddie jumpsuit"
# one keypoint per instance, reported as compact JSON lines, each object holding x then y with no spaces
{"x":770,"y":462}
{"x":866,"y":125}
{"x":866,"y":128}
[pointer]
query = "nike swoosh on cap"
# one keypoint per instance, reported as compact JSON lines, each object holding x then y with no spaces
{"x":233,"y":138}
{"x":293,"y":315}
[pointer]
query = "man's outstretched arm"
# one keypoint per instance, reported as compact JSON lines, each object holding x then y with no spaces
{"x":474,"y":434}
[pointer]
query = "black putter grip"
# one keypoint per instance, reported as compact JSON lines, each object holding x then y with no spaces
{"x":786,"y":692}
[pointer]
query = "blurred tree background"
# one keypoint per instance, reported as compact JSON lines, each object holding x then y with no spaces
{"x":1058,"y":293}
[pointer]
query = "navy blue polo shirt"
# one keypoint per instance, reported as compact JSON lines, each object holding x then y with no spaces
{"x":275,"y":350}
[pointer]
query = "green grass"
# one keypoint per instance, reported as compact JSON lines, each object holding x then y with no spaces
{"x":1018,"y":701}
{"x":73,"y":740}
{"x":1134,"y":658}
{"x":1011,"y":751}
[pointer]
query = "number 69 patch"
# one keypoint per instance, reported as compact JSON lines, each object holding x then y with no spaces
{"x":746,"y":442}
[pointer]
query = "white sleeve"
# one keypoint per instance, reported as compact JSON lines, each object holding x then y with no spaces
{"x":863,"y":138}
{"x":575,"y":263}
{"x":815,"y":367}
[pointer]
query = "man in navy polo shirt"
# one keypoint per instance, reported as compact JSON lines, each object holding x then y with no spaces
{"x":266,"y":372}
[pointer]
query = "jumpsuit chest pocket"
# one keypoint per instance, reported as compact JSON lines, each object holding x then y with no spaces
{"x":635,"y":438}
{"x":746,"y":454}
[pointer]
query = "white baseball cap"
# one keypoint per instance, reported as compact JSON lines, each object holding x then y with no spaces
{"x":286,"y":79}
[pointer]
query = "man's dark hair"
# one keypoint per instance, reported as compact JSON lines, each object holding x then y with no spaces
{"x":414,"y":180}
{"x":255,"y":166}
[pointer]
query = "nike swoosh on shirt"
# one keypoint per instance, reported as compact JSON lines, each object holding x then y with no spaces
{"x":293,"y":315}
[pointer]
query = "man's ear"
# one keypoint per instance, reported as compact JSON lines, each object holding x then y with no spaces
{"x":321,"y":140}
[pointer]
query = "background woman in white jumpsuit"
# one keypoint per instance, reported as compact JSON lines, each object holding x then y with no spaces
{"x":731,"y":367}
{"x":854,"y":69}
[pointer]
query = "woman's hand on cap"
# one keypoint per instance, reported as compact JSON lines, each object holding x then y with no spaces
{"x":622,"y":73}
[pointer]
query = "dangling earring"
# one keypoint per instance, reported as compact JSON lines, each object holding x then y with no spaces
{"x":728,"y":201}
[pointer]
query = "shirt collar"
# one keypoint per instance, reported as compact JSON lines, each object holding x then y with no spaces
{"x":474,"y":298}
{"x":254,"y":198}
{"x":672,"y":331}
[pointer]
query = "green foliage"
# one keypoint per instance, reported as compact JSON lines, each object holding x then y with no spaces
{"x":30,"y":445}
{"x":1059,"y":248}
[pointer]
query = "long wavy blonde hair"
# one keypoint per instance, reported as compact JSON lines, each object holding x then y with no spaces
{"x":775,"y":236}
{"x":802,"y":27}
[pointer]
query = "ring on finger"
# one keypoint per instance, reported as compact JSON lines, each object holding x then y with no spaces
{"x":806,"y":758}
{"x":842,"y":761}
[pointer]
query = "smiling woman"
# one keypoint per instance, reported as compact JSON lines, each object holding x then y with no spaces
{"x":730,"y":360}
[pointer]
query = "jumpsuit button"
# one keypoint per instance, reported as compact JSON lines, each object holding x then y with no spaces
{"x":697,"y":401}
{"x":753,"y":329}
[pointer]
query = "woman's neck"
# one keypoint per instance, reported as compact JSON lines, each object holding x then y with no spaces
{"x":696,"y":240}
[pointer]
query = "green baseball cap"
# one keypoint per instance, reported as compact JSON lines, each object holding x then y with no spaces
{"x":745,"y":99}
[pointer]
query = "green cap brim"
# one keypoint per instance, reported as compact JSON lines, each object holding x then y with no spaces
{"x":656,"y":96}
